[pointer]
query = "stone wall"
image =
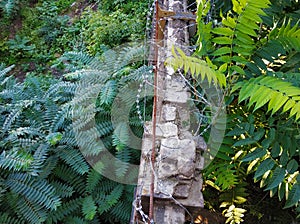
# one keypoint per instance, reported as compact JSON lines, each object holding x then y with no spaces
{"x":178,"y":164}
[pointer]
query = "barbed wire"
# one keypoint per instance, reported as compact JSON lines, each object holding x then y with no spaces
{"x":143,"y":93}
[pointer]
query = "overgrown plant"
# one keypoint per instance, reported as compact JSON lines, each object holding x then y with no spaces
{"x":45,"y":177}
{"x":259,"y":58}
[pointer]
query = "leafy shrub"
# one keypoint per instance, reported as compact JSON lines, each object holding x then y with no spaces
{"x":44,"y":176}
{"x":125,"y":23}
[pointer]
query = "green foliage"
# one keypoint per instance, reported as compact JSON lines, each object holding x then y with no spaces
{"x":277,"y":93}
{"x":116,"y":23}
{"x":9,"y":7}
{"x":196,"y":67}
{"x":45,"y":178}
{"x":256,"y":47}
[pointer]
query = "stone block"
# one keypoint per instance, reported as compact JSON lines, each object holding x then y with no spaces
{"x":167,"y":168}
{"x":195,"y":198}
{"x":164,"y":130}
{"x":169,"y":113}
{"x":200,"y":142}
{"x":176,"y":96}
{"x":182,"y":190}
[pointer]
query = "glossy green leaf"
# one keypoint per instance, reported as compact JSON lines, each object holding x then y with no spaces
{"x":265,"y":166}
{"x":257,"y":153}
{"x":276,"y":179}
{"x":294,"y":196}
{"x":292,"y":166}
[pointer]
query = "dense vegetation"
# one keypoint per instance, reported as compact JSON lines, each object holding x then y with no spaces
{"x":251,"y":48}
{"x":255,"y":48}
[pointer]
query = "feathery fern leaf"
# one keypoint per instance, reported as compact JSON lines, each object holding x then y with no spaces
{"x":277,"y":93}
{"x":67,"y":208}
{"x":89,"y":209}
{"x":233,"y":214}
{"x":196,"y":67}
{"x":15,"y":160}
{"x":93,"y":179}
{"x":36,"y":191}
{"x":39,"y":157}
{"x":31,"y":211}
{"x":108,"y":92}
{"x":71,"y":177}
{"x":62,"y":190}
{"x":8,"y":219}
{"x":74,"y":158}
{"x":4,"y":71}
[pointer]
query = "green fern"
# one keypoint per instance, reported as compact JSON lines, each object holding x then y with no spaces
{"x":93,"y":179}
{"x":36,"y":191}
{"x":31,"y":211}
{"x":196,"y":67}
{"x":8,"y":6}
{"x":15,"y":160}
{"x":221,"y":176}
{"x":108,"y":92}
{"x":62,"y":190}
{"x":74,"y":159}
{"x":43,"y":130}
{"x":277,"y":93}
{"x":67,"y":208}
{"x":7,"y":219}
{"x":89,"y":208}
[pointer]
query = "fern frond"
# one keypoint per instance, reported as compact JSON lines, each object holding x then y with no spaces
{"x":36,"y":191}
{"x":277,"y":93}
{"x":68,"y":175}
{"x":236,"y":37}
{"x":62,"y":190}
{"x":233,"y":214}
{"x":221,"y":177}
{"x":31,"y":211}
{"x":93,"y":179}
{"x":15,"y":160}
{"x":48,"y":166}
{"x":104,"y":128}
{"x":196,"y":67}
{"x":108,"y":92}
{"x":121,"y":211}
{"x":8,"y":219}
{"x":237,"y":195}
{"x":76,"y":220}
{"x":122,"y":162}
{"x":89,"y":208}
{"x":287,"y":35}
{"x":120,"y":136}
{"x":3,"y":72}
{"x":65,"y":209}
{"x":105,"y":203}
{"x":74,"y":159}
{"x":8,"y":6}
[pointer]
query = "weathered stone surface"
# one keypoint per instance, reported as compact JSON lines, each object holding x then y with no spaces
{"x":182,"y":190}
{"x":169,"y":213}
{"x":200,"y":142}
{"x":199,"y":162}
{"x":169,"y":113}
{"x":167,"y":168}
{"x":186,"y":165}
{"x":166,"y":186}
{"x":177,"y":157}
{"x":164,"y":130}
{"x":176,"y":96}
{"x":195,"y":198}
